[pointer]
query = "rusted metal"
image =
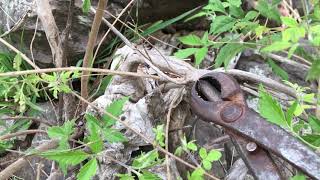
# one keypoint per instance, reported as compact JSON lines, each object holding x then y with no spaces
{"x":245,"y":126}
{"x":258,"y":160}
{"x":231,"y":112}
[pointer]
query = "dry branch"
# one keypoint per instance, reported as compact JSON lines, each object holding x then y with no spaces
{"x":23,"y":161}
{"x":51,"y":29}
{"x":87,"y":60}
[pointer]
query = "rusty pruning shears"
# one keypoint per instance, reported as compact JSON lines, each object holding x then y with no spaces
{"x":217,"y":98}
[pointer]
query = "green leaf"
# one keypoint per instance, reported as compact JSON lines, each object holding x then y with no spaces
{"x":314,"y":72}
{"x":66,"y":157}
{"x":251,"y":15}
{"x":221,"y":24}
{"x":298,"y":177}
{"x":228,"y":52}
{"x":298,"y":126}
{"x":17,"y":61}
{"x":178,"y":151}
{"x":289,"y":21}
{"x":215,"y":5}
{"x":260,"y":30}
{"x":276,"y":46}
{"x":270,"y":109}
{"x":146,"y":175}
{"x":191,"y":40}
{"x":278,"y":70}
{"x":316,"y":11}
{"x":214,"y":155}
{"x":62,"y":133}
{"x":86,"y":6}
{"x":200,"y":55}
{"x":88,"y":170}
{"x":125,"y":177}
{"x":161,"y":25}
{"x":197,"y":174}
{"x":160,"y":135}
{"x":146,"y":160}
{"x":184,"y":53}
{"x":203,"y":153}
{"x":205,"y":38}
{"x":313,"y":139}
{"x":236,"y":3}
{"x":314,"y":124}
{"x":206,"y":165}
{"x":236,"y":11}
{"x":290,"y":113}
{"x":293,"y":34}
{"x":199,"y":14}
{"x":115,"y":108}
{"x":299,"y":110}
{"x":108,"y":122}
{"x":268,"y":10}
{"x":92,"y":124}
{"x":95,"y":143}
{"x":114,"y":136}
{"x":292,"y":50}
{"x":103,"y":85}
{"x":192,"y":146}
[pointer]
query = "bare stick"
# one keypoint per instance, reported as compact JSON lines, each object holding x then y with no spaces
{"x":87,"y":60}
{"x":23,"y":161}
{"x":318,"y":101}
{"x":171,"y":106}
{"x":51,"y":29}
{"x":114,"y":22}
{"x":19,"y":52}
{"x":33,"y":38}
{"x":27,"y":118}
{"x":21,"y":133}
{"x":288,"y":61}
{"x":147,"y":59}
{"x":102,"y":71}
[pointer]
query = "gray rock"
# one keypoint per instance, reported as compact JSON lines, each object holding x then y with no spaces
{"x":13,"y":11}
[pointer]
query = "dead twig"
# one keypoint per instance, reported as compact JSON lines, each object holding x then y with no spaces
{"x":87,"y":60}
{"x":113,"y":24}
{"x":21,"y":133}
{"x":51,"y":29}
{"x":23,"y":56}
{"x":33,"y":38}
{"x":144,"y":55}
{"x":27,"y":118}
{"x":174,"y":103}
{"x":23,"y":161}
{"x":97,"y":70}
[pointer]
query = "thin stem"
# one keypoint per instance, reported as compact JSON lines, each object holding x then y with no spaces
{"x":87,"y":61}
{"x":97,"y":70}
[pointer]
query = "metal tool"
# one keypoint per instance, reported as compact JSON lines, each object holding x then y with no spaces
{"x":253,"y":136}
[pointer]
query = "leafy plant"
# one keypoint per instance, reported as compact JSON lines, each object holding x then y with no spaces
{"x":99,"y":131}
{"x":206,"y":157}
{"x":271,"y":110}
{"x":142,"y":163}
{"x":160,"y":136}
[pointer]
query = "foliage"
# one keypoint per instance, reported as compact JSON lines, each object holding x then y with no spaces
{"x":86,"y":5}
{"x":160,"y":136}
{"x":207,"y":158}
{"x":271,"y":110}
{"x":99,"y":131}
{"x":142,"y":163}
